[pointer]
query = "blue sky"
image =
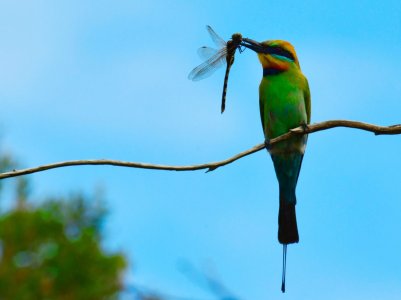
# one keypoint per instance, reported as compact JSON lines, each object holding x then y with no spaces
{"x":102,"y":79}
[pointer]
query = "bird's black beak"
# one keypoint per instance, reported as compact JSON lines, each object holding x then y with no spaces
{"x":254,"y":45}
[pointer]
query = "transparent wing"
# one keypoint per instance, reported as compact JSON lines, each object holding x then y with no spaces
{"x":215,"y":37}
{"x":207,"y":68}
{"x":206,"y":52}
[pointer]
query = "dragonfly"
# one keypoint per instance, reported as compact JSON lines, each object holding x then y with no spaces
{"x":216,"y":58}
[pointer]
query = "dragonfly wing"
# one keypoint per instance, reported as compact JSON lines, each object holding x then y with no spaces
{"x":206,"y":52}
{"x":207,"y":68}
{"x":216,"y":38}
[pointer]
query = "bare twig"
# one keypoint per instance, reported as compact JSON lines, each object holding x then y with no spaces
{"x":377,"y":130}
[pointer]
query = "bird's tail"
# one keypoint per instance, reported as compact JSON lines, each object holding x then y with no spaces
{"x":287,"y":221}
{"x":287,"y":168}
{"x":287,"y":165}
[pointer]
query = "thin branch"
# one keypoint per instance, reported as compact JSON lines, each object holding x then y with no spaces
{"x":377,"y":130}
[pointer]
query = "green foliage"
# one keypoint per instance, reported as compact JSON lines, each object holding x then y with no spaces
{"x":53,"y":251}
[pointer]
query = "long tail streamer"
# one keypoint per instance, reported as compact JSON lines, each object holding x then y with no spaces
{"x":284,"y":267}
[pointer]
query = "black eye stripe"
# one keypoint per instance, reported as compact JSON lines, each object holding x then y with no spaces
{"x":280,"y":51}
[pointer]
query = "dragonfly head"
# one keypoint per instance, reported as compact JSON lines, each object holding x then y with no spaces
{"x":237,"y":37}
{"x":274,"y":54}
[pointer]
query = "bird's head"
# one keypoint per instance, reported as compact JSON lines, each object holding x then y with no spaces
{"x":274,"y":54}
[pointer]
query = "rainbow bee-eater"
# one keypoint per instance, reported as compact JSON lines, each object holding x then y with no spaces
{"x":284,"y":100}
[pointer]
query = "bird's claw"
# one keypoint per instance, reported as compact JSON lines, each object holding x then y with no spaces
{"x":267,"y":144}
{"x":305,"y":127}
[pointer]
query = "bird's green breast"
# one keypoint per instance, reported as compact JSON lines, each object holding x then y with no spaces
{"x":282,"y":103}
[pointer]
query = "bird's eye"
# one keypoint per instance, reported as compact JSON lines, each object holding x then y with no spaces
{"x":275,"y":50}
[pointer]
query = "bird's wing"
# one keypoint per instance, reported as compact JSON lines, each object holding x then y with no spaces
{"x":307,"y":101}
{"x":262,"y":111}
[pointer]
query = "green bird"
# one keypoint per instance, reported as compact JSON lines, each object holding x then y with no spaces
{"x":284,"y":100}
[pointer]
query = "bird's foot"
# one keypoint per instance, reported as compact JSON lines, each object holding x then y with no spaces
{"x":305,"y":127}
{"x":267,"y":144}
